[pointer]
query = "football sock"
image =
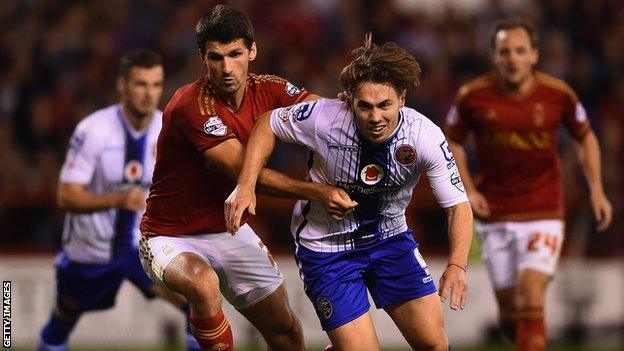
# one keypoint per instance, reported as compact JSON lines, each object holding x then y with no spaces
{"x":531,"y":330}
{"x":507,"y":325}
{"x":213,"y":333}
{"x":55,"y":334}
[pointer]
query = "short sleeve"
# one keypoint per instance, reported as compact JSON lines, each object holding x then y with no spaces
{"x":82,"y":154}
{"x":575,"y":118}
{"x":437,"y":160}
{"x":296,"y":124}
{"x":289,"y":94}
{"x":204,"y":132}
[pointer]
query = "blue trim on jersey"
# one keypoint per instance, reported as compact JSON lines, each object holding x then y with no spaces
{"x":125,"y":220}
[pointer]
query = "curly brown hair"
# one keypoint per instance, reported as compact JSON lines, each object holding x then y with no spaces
{"x":388,"y":63}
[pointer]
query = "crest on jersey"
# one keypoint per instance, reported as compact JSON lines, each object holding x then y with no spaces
{"x":133,"y":171}
{"x":324,"y":307}
{"x":215,"y":126}
{"x":292,"y":90}
{"x":284,"y":114}
{"x":405,"y":155}
{"x":457,"y":182}
{"x":371,"y":174}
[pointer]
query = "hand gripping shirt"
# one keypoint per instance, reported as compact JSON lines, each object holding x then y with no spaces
{"x":379,"y":177}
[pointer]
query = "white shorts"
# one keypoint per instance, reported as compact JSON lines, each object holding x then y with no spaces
{"x":509,"y":247}
{"x":246,"y":270}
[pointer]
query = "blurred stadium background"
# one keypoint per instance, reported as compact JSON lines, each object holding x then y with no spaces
{"x":58,"y":63}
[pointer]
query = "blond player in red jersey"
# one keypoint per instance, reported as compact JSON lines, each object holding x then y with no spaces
{"x":185,"y":246}
{"x":514,"y":113}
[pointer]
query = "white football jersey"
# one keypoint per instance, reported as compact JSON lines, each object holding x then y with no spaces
{"x":379,"y":177}
{"x":107,"y":154}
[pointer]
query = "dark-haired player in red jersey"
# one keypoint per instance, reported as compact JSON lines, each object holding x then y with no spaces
{"x":514,"y":113}
{"x":185,"y":246}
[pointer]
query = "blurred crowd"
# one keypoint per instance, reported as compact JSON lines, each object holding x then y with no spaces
{"x":58,"y":61}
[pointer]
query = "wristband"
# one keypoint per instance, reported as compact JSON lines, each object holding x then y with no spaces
{"x":456,"y":265}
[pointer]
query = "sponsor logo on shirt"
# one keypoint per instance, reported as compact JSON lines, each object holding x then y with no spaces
{"x":303,"y":111}
{"x":324,"y":307}
{"x":133,"y":171}
{"x":371,"y":174}
{"x":215,"y":126}
{"x":405,"y":155}
{"x":448,"y":155}
{"x":457,"y":182}
{"x":292,"y":90}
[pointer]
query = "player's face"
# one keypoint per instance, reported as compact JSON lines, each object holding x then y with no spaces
{"x":376,"y":107}
{"x":514,"y":56}
{"x":228,"y":64}
{"x":142,"y":89}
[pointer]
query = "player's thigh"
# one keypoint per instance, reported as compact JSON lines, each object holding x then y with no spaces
{"x":420,"y":321}
{"x":181,"y":265}
{"x":397,"y":271}
{"x":499,"y":252}
{"x":539,"y":245}
{"x":335,"y":285}
{"x":358,"y":334}
{"x":86,"y":287}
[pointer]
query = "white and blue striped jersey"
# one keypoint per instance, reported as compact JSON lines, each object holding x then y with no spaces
{"x":379,"y":177}
{"x":107,"y":155}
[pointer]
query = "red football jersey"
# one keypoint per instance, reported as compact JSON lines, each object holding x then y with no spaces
{"x":516,"y":143}
{"x":186,"y":196}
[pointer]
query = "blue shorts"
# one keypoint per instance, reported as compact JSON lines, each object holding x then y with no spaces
{"x":391,"y":269}
{"x":85,"y":287}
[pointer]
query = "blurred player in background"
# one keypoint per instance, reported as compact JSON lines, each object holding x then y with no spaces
{"x":102,"y":187}
{"x":185,"y":246}
{"x":374,"y":148}
{"x":514,"y":113}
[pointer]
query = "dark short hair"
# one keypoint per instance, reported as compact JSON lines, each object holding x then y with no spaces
{"x":141,"y":57}
{"x":511,"y":23}
{"x":388,"y":63}
{"x":223,"y":24}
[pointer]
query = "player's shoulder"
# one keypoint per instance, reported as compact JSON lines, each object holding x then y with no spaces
{"x":100,"y":122}
{"x":418,"y":126}
{"x":264,"y":79}
{"x":480,"y":83}
{"x":555,"y":84}
{"x":194,"y":96}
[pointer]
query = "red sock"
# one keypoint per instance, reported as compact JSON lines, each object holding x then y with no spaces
{"x":212,"y":334}
{"x":531,"y":330}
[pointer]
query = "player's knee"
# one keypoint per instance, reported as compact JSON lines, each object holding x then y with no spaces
{"x":439,"y":344}
{"x":290,"y":337}
{"x":196,"y":280}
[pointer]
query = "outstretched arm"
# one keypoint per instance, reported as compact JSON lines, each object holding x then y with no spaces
{"x":588,"y":152}
{"x":460,"y":233}
{"x":76,"y":198}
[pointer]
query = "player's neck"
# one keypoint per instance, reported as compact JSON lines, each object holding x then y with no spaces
{"x":522,"y":88}
{"x":234,"y":100}
{"x":136,"y":120}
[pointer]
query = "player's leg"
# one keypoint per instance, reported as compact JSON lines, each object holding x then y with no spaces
{"x":80,"y":288}
{"x":359,"y":334}
{"x":421,"y":322}
{"x":276,"y":321}
{"x":538,"y":244}
{"x":399,"y":281}
{"x":254,"y":287}
{"x":498,"y":251}
{"x":136,"y":275}
{"x":182,"y":268}
{"x":335,"y":285}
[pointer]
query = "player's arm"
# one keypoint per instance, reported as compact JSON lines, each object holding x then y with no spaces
{"x":588,"y":152}
{"x":477,"y":199}
{"x":460,"y":236}
{"x":76,"y":198}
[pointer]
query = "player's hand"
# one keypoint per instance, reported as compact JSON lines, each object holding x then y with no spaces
{"x":603,"y":211}
{"x":336,"y":201}
{"x":239,"y":201}
{"x":479,"y":204}
{"x":132,"y":200}
{"x":454,"y":280}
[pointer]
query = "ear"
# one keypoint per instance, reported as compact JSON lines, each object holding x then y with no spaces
{"x":253,"y":51}
{"x":121,"y":84}
{"x":534,"y":56}
{"x":402,"y":97}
